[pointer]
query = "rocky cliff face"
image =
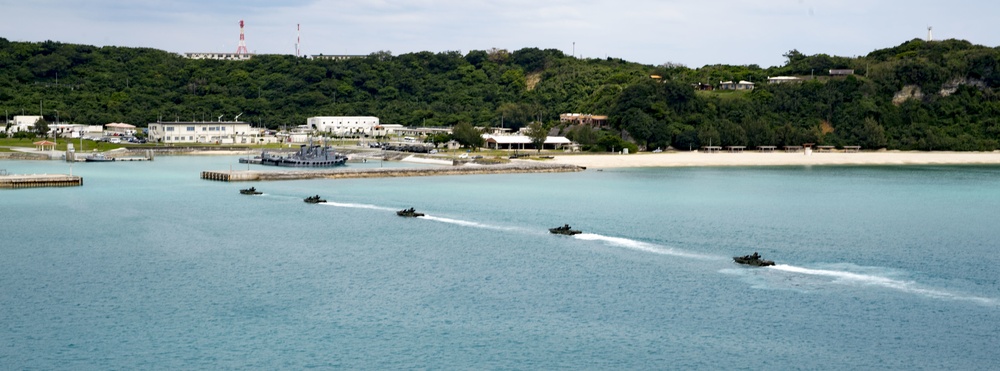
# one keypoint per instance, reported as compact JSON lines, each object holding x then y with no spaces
{"x":952,"y":85}
{"x":908,"y":92}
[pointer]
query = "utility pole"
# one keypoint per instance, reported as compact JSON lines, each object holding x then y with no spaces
{"x":55,"y":132}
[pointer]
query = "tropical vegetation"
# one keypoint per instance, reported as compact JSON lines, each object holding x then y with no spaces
{"x":939,"y":95}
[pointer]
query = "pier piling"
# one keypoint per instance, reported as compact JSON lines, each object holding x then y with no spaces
{"x":15,"y":181}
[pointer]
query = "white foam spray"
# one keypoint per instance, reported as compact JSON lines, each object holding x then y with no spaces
{"x":858,"y":279}
{"x":641,"y":246}
{"x":357,"y":206}
{"x":467,"y":223}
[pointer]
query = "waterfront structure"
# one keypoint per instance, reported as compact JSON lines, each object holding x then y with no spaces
{"x":344,"y":125}
{"x":221,"y":132}
{"x":418,"y":132}
{"x":119,"y":129}
{"x":523,"y":142}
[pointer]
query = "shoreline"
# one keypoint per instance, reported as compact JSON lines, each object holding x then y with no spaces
{"x":692,"y":159}
{"x":699,"y":159}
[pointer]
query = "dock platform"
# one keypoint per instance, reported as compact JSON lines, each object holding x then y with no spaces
{"x":39,"y":180}
{"x":255,"y":175}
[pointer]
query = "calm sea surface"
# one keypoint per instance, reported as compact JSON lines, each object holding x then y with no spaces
{"x":148,"y":267}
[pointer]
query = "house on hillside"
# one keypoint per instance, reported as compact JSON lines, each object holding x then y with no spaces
{"x":782,"y":79}
{"x":742,"y":85}
{"x":219,"y":56}
{"x":841,"y":72}
{"x":598,"y":121}
{"x":702,"y":86}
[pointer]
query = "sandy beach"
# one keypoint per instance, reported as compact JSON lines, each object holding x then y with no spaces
{"x":680,"y":159}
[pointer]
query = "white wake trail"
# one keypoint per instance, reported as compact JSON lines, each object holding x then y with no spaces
{"x":467,"y":223}
{"x":641,"y":246}
{"x":357,"y":206}
{"x":859,"y":279}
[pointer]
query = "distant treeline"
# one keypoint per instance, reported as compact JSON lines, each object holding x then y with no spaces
{"x":939,"y":95}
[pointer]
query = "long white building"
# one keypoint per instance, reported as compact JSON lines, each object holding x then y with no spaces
{"x":344,"y":124}
{"x":224,"y":132}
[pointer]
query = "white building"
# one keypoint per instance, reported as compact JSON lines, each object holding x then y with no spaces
{"x":342,"y":125}
{"x":24,"y":123}
{"x":119,"y":129}
{"x":221,"y":132}
{"x":220,"y":56}
{"x":782,"y":79}
{"x":742,"y":85}
{"x":336,"y":57}
{"x":523,"y":142}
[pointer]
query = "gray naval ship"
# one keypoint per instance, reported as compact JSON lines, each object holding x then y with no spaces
{"x":308,"y":155}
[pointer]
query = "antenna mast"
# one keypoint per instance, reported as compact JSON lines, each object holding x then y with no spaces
{"x":298,"y":38}
{"x":242,"y":48}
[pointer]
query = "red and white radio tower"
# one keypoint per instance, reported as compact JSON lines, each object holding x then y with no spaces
{"x":242,"y":48}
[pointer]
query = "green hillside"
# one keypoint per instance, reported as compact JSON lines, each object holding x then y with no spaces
{"x":919,"y":95}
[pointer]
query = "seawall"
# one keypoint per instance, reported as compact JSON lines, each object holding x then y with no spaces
{"x":256,"y":175}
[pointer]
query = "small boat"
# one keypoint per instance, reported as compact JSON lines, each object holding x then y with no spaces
{"x":98,"y":157}
{"x":409,"y":213}
{"x":565,"y":229}
{"x":753,"y":259}
{"x":314,"y":199}
{"x":250,"y":191}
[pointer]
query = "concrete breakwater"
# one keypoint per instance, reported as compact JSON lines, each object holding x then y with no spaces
{"x":39,"y":180}
{"x":255,"y":175}
{"x":23,"y":156}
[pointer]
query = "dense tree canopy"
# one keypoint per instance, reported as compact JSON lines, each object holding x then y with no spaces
{"x":918,"y":95}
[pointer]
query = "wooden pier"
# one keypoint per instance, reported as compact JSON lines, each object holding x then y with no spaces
{"x":39,"y":180}
{"x":255,"y":175}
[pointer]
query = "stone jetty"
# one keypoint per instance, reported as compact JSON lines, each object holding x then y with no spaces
{"x":39,"y":180}
{"x":255,"y":175}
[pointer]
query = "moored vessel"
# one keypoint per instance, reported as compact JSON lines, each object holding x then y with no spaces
{"x":98,"y":157}
{"x":308,"y":155}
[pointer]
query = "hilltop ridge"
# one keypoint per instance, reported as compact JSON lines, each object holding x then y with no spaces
{"x":917,"y":95}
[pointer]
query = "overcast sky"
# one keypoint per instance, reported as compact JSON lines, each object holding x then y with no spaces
{"x":690,"y":32}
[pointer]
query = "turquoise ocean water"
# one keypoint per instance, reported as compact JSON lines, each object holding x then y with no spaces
{"x":148,"y":267}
